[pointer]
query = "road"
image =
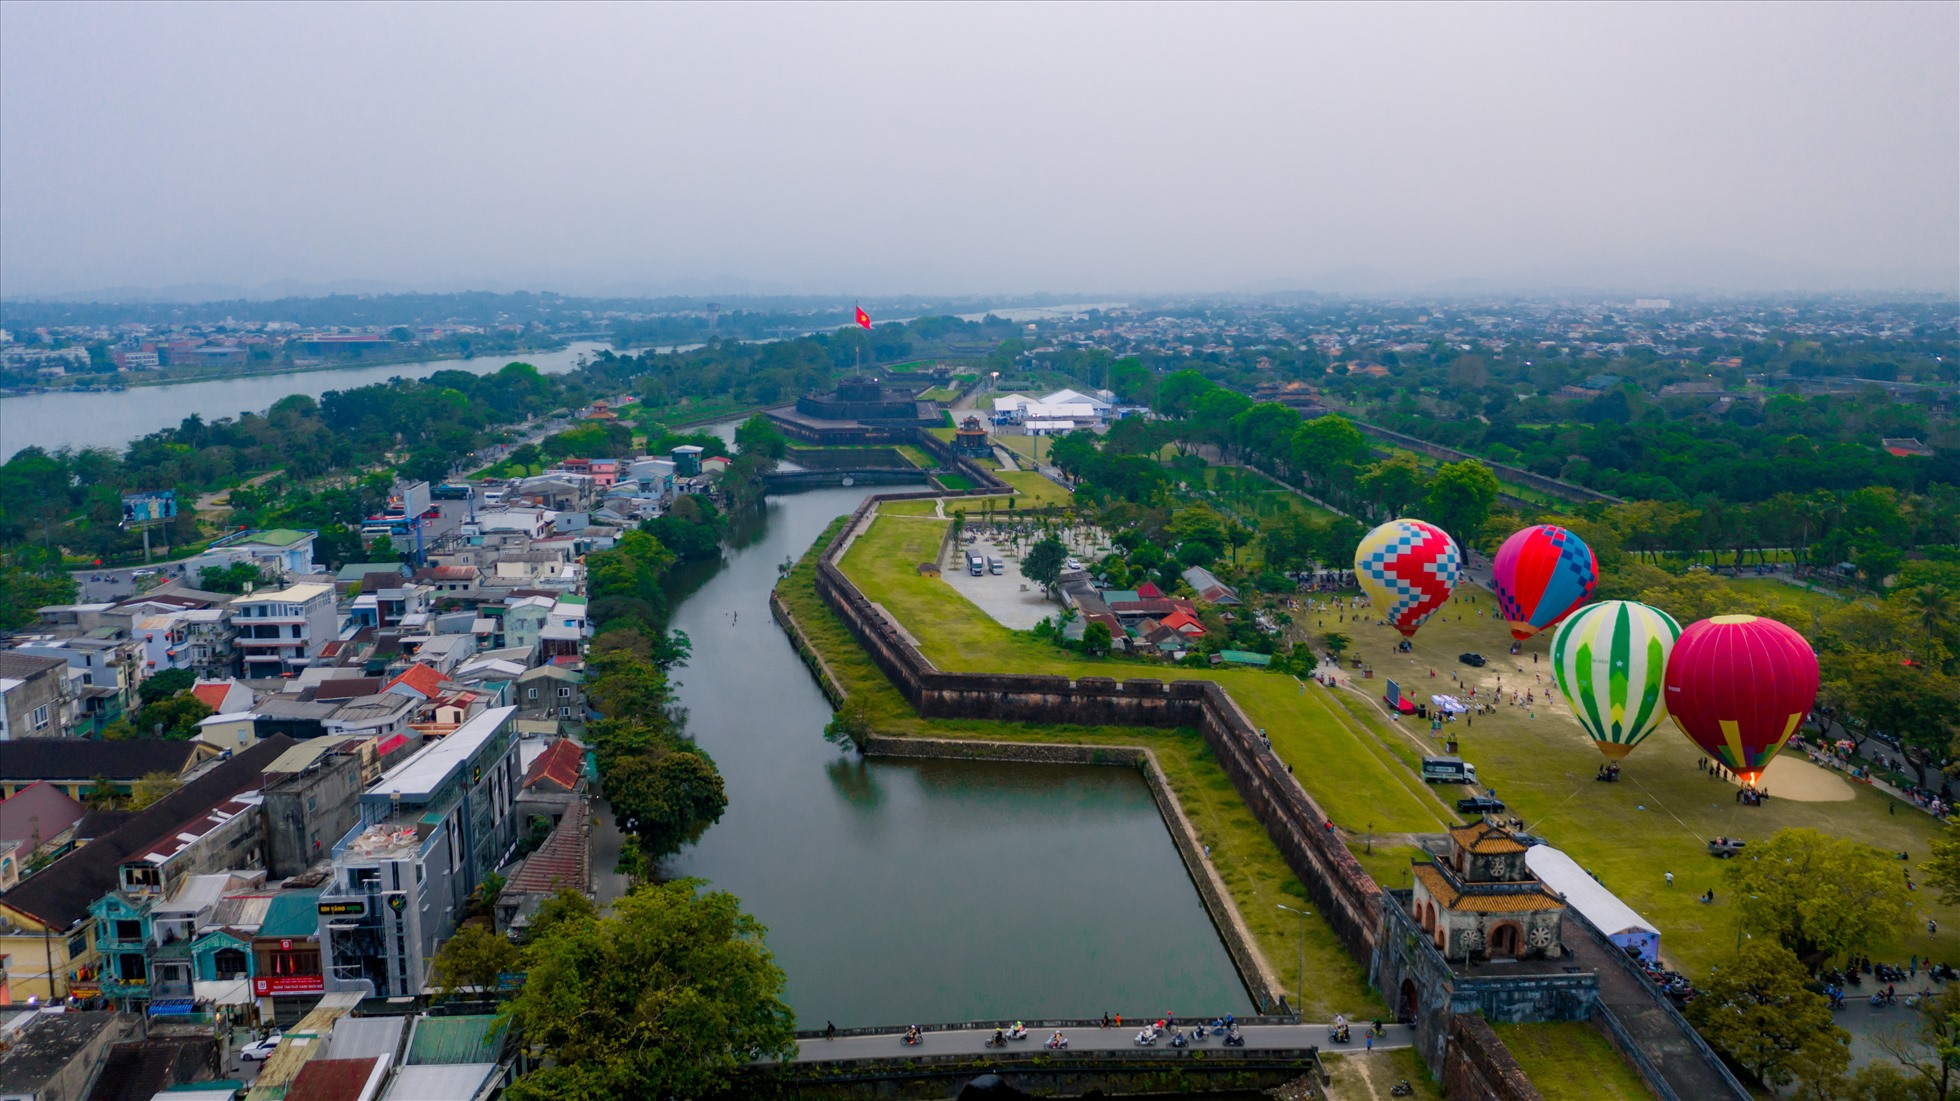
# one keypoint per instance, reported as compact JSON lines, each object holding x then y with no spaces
{"x":885,"y":1045}
{"x":607,"y":885}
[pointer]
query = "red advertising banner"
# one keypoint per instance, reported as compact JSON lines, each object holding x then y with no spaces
{"x":289,"y":984}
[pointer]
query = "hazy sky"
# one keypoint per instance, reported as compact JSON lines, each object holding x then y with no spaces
{"x":982,"y":148}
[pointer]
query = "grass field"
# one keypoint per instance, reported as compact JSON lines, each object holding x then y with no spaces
{"x":955,"y":482}
{"x":1031,"y":490}
{"x":1659,"y":817}
{"x":916,"y":457}
{"x":1023,"y":447}
{"x":1251,"y":867}
{"x":1350,"y":761}
{"x":1572,"y":1061}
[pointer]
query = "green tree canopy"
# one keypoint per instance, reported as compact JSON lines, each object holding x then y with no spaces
{"x":165,"y":684}
{"x":1817,"y":895}
{"x":1758,"y":1009}
{"x":472,"y":959}
{"x":667,"y":996}
{"x":1459,"y":498}
{"x":1044,"y":561}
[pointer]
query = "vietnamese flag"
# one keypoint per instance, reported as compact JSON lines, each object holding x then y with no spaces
{"x":863,"y":318}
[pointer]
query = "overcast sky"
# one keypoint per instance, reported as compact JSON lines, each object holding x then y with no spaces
{"x":992,"y":148}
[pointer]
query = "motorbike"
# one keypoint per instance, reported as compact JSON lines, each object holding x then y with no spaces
{"x":1146,"y":1038}
{"x":997,"y":1040}
{"x":911,"y":1039}
{"x":1017,"y":1033}
{"x":1057,"y":1043}
{"x":1178,"y":1039}
{"x":1338,"y":1035}
{"x":1401,"y":1089}
{"x":1233,"y":1039}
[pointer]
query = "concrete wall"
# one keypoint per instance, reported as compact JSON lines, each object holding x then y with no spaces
{"x":1480,"y":1068}
{"x":307,"y":814}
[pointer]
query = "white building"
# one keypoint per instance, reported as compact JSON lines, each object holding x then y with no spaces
{"x":283,"y":631}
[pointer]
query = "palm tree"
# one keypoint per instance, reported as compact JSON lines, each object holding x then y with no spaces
{"x":1936,"y":609}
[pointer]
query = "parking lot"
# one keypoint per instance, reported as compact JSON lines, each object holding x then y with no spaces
{"x":1010,"y":598}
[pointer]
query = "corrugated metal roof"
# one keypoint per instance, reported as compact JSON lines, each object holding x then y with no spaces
{"x":364,"y":1037}
{"x":439,"y":1083}
{"x":453,"y":1041}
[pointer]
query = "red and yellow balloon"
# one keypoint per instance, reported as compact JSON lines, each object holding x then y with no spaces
{"x":1738,"y":686}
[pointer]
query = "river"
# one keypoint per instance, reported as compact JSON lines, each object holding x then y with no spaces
{"x":900,"y":891}
{"x":78,"y":419}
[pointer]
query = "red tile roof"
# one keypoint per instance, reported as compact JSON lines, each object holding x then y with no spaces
{"x":212,"y":695}
{"x":560,"y":862}
{"x":1149,"y":590}
{"x":332,"y":1080}
{"x":422,"y":679}
{"x":559,"y":765}
{"x":1183,"y":622}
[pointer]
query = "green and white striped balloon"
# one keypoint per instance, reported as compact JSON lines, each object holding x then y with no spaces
{"x":1609,"y":659}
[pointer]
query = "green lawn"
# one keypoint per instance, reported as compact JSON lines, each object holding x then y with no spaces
{"x":1572,"y":1061}
{"x":1348,"y":761}
{"x":1031,"y":490}
{"x":1252,"y":869}
{"x":1659,"y":817}
{"x":910,"y":508}
{"x":954,"y":482}
{"x":1371,"y":1076}
{"x":917,"y":457}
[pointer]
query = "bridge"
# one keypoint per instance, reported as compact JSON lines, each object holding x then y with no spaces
{"x":969,"y":1038}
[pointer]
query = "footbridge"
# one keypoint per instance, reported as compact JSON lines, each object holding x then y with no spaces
{"x":1277,"y":1049}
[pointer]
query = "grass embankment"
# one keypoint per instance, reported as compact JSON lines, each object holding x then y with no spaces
{"x":1247,"y":862}
{"x":1572,"y":1061}
{"x":1031,"y":490}
{"x":957,"y":483}
{"x":916,"y":457}
{"x":1371,"y":1076}
{"x":1660,"y":815}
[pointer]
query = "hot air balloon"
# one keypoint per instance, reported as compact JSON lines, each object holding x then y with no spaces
{"x":1738,"y":685}
{"x":1608,"y":661}
{"x":1541,"y":574}
{"x":1409,"y":568}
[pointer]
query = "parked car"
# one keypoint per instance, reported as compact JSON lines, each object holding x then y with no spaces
{"x":1074,"y":564}
{"x":1477,"y":660}
{"x":1480,"y":804}
{"x":433,"y":514}
{"x":261,"y":1050}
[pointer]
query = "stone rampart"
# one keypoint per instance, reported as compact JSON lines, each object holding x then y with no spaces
{"x":1254,"y":970}
{"x":1478,"y":1067}
{"x":1347,"y":898}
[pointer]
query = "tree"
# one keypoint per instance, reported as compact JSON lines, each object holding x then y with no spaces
{"x":758,"y":436}
{"x":152,"y":787}
{"x":1328,"y":450}
{"x":101,"y":794}
{"x":1758,"y":1009}
{"x":1941,"y":869}
{"x":1819,"y":896}
{"x":1044,"y":561}
{"x":1336,"y":643}
{"x":1933,"y":1063}
{"x":668,"y":996}
{"x":527,"y":456}
{"x":851,"y":723}
{"x":232,"y":578}
{"x":566,"y":905}
{"x":173,"y":717}
{"x":165,"y":684}
{"x":1394,"y":484}
{"x":473,"y":959}
{"x":1096,"y":638}
{"x":1459,"y":498}
{"x":670,"y":798}
{"x":23,"y":591}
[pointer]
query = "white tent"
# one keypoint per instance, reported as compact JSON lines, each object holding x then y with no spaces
{"x":1588,"y":896}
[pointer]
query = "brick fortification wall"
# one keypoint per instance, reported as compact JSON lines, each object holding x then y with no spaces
{"x":1346,"y":896}
{"x":1478,"y":1067}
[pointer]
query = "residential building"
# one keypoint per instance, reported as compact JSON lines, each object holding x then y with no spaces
{"x":37,"y":822}
{"x":283,"y":550}
{"x":102,"y":674}
{"x":311,"y":800}
{"x":76,"y":766}
{"x":56,"y":1056}
{"x":286,"y":959}
{"x":429,"y":832}
{"x":282,"y":631}
{"x":551,"y":693}
{"x":36,"y":700}
{"x":45,"y":925}
{"x":1209,"y":588}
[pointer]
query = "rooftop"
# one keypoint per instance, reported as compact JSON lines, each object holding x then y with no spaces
{"x":1507,"y":900}
{"x":69,"y":759}
{"x":418,"y":777}
{"x":45,"y":1045}
{"x":453,"y":1041}
{"x":1486,"y":837}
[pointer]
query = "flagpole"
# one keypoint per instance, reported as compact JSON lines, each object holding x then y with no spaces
{"x":857,"y":309}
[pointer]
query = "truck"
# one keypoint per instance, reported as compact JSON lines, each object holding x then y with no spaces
{"x":1448,"y":770}
{"x":976,"y":565}
{"x":995,"y":565}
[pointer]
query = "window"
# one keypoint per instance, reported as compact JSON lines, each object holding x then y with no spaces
{"x":534,"y":695}
{"x":230,"y":963}
{"x":78,"y":945}
{"x":41,"y":715}
{"x":127,"y":931}
{"x":564,"y":693}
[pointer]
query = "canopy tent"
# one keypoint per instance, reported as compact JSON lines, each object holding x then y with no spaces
{"x":1588,"y":896}
{"x":1448,"y":704}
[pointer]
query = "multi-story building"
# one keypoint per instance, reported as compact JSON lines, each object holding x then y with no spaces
{"x":36,"y":700}
{"x":312,"y":795}
{"x":102,"y":675}
{"x":283,"y":631}
{"x":429,"y":833}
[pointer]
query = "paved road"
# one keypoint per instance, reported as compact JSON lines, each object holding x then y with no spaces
{"x":974,"y":1042}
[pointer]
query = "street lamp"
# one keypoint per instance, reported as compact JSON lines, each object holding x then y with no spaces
{"x":1299,"y":1007}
